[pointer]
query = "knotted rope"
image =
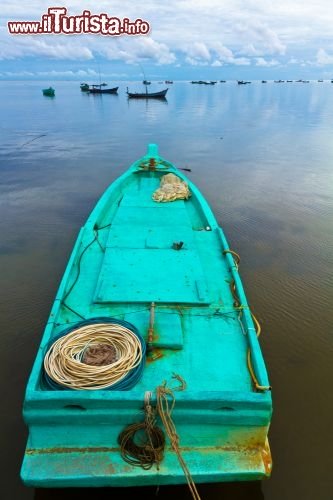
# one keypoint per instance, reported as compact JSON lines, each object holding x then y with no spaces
{"x":148,"y":449}
{"x":165,"y":404}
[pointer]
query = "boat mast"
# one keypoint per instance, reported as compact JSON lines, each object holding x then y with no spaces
{"x":99,"y":73}
{"x":144,"y":78}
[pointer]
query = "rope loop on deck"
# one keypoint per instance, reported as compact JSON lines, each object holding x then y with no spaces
{"x":249,"y":361}
{"x":238,"y":306}
{"x":142,"y":444}
{"x":235,"y":255}
{"x":65,"y":366}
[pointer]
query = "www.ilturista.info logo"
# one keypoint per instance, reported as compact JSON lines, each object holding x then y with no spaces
{"x":57,"y":22}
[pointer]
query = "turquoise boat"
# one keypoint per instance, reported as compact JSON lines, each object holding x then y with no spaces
{"x":50,"y":92}
{"x":84,"y":87}
{"x":151,"y":261}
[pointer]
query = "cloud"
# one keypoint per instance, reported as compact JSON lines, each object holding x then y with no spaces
{"x":260,"y":61}
{"x":17,"y":73}
{"x":67,"y":74}
{"x":59,"y":50}
{"x":241,"y":61}
{"x":195,"y":62}
{"x":198,"y":51}
{"x":54,"y":48}
{"x":82,"y":73}
{"x":250,"y":50}
{"x":190,"y":32}
{"x":222,"y":51}
{"x":199,"y":54}
{"x":136,"y":50}
{"x":323,"y":58}
{"x":260,"y":39}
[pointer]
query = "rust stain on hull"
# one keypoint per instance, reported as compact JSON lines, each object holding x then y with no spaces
{"x":267,"y":458}
{"x":42,"y":451}
{"x":154,"y":355}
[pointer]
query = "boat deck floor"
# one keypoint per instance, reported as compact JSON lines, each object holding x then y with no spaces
{"x":197,"y":332}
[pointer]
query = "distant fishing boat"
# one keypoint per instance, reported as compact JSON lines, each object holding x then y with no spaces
{"x":84,"y":87}
{"x":50,"y":92}
{"x":146,"y":82}
{"x":203,"y":82}
{"x":146,"y":95}
{"x":263,"y":81}
{"x":242,"y":82}
{"x":169,"y":82}
{"x":149,"y":371}
{"x":97,"y":89}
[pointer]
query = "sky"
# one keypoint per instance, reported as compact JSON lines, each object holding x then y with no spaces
{"x":188,"y":39}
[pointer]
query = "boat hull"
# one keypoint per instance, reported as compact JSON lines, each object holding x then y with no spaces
{"x":148,"y":95}
{"x":103,"y":467}
{"x":50,"y":92}
{"x":199,"y":333}
{"x":114,"y":90}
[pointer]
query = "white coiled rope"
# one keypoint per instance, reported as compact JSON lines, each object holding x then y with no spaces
{"x":63,"y":361}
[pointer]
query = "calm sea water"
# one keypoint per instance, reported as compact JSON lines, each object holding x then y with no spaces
{"x":263,"y":157}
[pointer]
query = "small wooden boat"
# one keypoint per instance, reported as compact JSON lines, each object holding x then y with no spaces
{"x":97,"y":89}
{"x":84,"y":87}
{"x":151,"y":262}
{"x":50,"y":92}
{"x":147,"y":95}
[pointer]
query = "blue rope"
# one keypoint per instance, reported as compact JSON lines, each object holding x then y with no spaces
{"x":129,"y":381}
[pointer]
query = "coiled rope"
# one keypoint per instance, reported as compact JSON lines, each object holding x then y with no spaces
{"x":235,"y":256}
{"x":150,"y":449}
{"x":64,"y":366}
{"x":142,"y":444}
